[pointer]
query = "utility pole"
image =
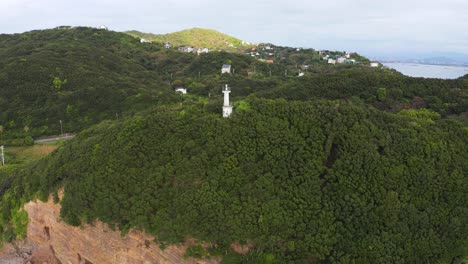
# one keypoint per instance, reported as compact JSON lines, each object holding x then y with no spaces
{"x":199,"y":74}
{"x":3,"y":155}
{"x":61,"y":127}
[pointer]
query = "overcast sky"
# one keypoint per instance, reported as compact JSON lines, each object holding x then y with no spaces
{"x":371,"y":27}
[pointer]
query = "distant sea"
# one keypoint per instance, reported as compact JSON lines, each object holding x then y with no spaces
{"x":429,"y":71}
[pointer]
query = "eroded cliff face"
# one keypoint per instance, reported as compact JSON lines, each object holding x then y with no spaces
{"x":50,"y":240}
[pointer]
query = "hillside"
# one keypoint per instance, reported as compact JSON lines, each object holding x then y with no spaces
{"x":82,"y":76}
{"x":78,"y":75}
{"x":316,"y":181}
{"x":195,"y":37}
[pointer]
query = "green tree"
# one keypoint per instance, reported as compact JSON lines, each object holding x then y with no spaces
{"x":381,"y":94}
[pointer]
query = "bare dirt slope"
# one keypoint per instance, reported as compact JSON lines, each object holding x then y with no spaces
{"x":50,"y":240}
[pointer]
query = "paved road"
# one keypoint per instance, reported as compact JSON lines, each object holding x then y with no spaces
{"x":55,"y":139}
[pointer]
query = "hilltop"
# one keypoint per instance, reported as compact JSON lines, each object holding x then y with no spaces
{"x":196,"y":37}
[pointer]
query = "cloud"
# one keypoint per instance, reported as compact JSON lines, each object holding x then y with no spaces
{"x":360,"y":25}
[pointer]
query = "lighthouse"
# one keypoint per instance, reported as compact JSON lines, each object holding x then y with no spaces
{"x":227,"y":107}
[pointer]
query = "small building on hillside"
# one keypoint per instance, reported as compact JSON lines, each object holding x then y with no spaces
{"x":167,"y":45}
{"x":341,"y":60}
{"x":143,"y":40}
{"x":331,"y":61}
{"x":300,"y":74}
{"x":226,"y":68}
{"x":186,"y":49}
{"x":374,"y":64}
{"x":103,"y":27}
{"x":270,"y":61}
{"x":204,"y":50}
{"x":181,"y":90}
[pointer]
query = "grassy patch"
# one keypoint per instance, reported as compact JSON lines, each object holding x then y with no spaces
{"x":19,"y":155}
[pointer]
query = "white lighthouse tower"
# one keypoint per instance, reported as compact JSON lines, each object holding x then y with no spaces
{"x":227,"y":107}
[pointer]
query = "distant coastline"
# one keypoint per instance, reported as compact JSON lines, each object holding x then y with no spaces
{"x":428,"y":70}
{"x":424,"y":63}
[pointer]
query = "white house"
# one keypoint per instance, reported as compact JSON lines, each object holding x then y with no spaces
{"x":144,"y":41}
{"x":341,"y":60}
{"x":348,"y":55}
{"x":300,"y":74}
{"x":374,"y":64}
{"x":181,"y":90}
{"x":187,"y":49}
{"x":331,"y":61}
{"x":167,"y":45}
{"x":204,"y":50}
{"x":103,"y":27}
{"x":226,"y":68}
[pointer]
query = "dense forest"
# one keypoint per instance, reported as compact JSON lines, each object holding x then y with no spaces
{"x":82,"y":76}
{"x":313,"y":181}
{"x":78,"y":75}
{"x":346,"y":164}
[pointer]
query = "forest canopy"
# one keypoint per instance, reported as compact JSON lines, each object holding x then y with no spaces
{"x":314,"y":181}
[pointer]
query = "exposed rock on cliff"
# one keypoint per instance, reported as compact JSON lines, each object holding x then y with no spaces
{"x":52,"y":241}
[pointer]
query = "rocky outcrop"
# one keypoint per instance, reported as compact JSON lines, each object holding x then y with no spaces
{"x":53,"y":241}
{"x":16,"y":253}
